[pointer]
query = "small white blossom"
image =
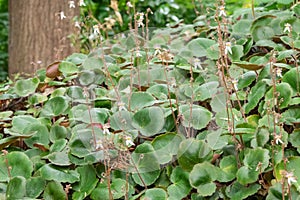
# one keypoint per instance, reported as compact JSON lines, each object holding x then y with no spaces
{"x":287,"y":28}
{"x":278,"y":139}
{"x":140,"y":19}
{"x":222,"y":11}
{"x":71,"y":4}
{"x":128,"y":141}
{"x":77,"y":25}
{"x":99,"y":144}
{"x":279,"y":72}
{"x":121,"y":106}
{"x":106,"y":129}
{"x":228,"y":48}
{"x":81,"y":3}
{"x":62,"y":15}
{"x":96,"y":29}
{"x":138,"y":53}
{"x":290,"y":178}
{"x":157,"y":51}
{"x":129,"y":5}
{"x":197,"y":64}
{"x":235,"y":84}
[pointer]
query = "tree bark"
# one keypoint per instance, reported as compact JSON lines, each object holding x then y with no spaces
{"x":38,"y":36}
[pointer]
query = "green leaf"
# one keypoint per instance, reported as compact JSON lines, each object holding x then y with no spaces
{"x":166,"y":146}
{"x":20,"y":165}
{"x":149,"y":121}
{"x":246,"y":79}
{"x":180,"y":186}
{"x":57,"y":132}
{"x":76,"y":58}
{"x":261,"y":137}
{"x":59,"y":158}
{"x":192,"y":151}
{"x":59,"y":174}
{"x":215,"y":140}
{"x":294,"y":139}
{"x":291,"y":166}
{"x":198,"y":118}
{"x":16,"y":188}
{"x":154,"y":194}
{"x":229,"y":167}
{"x":256,"y":93}
{"x":292,"y":77}
{"x":237,"y":52}
{"x":242,"y":27}
{"x":237,"y":191}
{"x":199,"y":46}
{"x":255,"y":162}
{"x":92,"y":63}
{"x":275,"y":193}
{"x":146,"y":163}
{"x":88,"y":115}
{"x":68,"y":68}
{"x":5,"y":115}
{"x":53,"y":191}
{"x":35,"y":186}
{"x":121,"y":120}
{"x":283,"y":94}
{"x":202,"y":178}
{"x":25,"y":87}
{"x":206,"y":91}
{"x":87,"y":182}
{"x":19,"y":123}
{"x":40,"y":136}
{"x":285,"y":2}
{"x":55,"y":106}
{"x":58,"y":145}
{"x":140,"y":100}
{"x":117,"y":187}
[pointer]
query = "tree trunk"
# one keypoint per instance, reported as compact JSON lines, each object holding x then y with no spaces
{"x":38,"y":36}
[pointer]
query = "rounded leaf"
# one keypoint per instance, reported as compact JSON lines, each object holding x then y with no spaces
{"x":55,"y":106}
{"x":20,"y":165}
{"x":154,"y":194}
{"x":149,"y":121}
{"x":192,"y":151}
{"x":27,"y":86}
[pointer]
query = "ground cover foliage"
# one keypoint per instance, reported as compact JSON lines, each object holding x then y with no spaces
{"x":208,"y":110}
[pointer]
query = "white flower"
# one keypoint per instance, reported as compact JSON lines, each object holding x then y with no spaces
{"x":96,"y":29}
{"x":99,"y":144}
{"x":278,"y":139}
{"x":157,"y":51}
{"x":197,"y":64}
{"x":105,"y":128}
{"x":138,"y":53}
{"x":235,"y":84}
{"x":287,"y":28}
{"x":279,"y":72}
{"x":222,"y":11}
{"x":71,"y":4}
{"x":121,"y":106}
{"x":129,"y":5}
{"x":228,"y":48}
{"x":290,"y":178}
{"x":128,"y":141}
{"x":77,"y":25}
{"x":140,"y":19}
{"x":62,"y":15}
{"x":81,"y":3}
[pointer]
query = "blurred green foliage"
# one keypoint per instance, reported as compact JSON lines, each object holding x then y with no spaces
{"x":3,"y":39}
{"x":165,"y":12}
